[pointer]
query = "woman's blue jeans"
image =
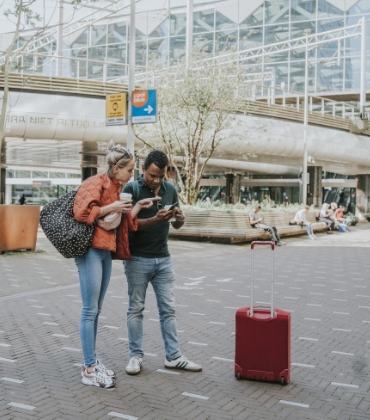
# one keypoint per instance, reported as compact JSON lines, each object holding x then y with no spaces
{"x":158,"y":271}
{"x":94,"y":269}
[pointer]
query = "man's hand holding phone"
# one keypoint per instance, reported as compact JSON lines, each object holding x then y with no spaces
{"x":171,"y":208}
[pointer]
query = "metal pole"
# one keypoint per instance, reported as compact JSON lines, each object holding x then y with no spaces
{"x":59,"y":71}
{"x":252,"y":281}
{"x":189,"y":29}
{"x":363,"y":67}
{"x":305,"y":123}
{"x":131,"y":80}
{"x":273,"y":85}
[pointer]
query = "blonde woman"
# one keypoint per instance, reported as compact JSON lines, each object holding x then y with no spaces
{"x":96,"y":197}
{"x":325,"y":216}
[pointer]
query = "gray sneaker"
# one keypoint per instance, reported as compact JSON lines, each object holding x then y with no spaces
{"x":182,"y":363}
{"x":134,"y":365}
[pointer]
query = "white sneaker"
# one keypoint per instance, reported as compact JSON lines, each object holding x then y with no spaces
{"x":311,"y":237}
{"x":134,"y":365}
{"x":102,"y":369}
{"x":97,"y":378}
{"x":105,"y":370}
{"x":182,"y":363}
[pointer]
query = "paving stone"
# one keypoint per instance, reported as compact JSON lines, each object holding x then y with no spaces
{"x":53,"y":385}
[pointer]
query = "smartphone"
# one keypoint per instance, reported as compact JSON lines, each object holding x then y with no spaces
{"x":170,"y":206}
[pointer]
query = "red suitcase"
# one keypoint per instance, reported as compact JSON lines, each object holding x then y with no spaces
{"x":262,"y":339}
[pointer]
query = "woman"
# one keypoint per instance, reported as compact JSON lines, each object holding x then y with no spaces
{"x":96,"y":197}
{"x":325,"y":216}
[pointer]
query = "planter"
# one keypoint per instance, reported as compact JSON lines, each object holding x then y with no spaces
{"x":18,"y":227}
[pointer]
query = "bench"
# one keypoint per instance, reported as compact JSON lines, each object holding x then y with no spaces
{"x":235,"y":227}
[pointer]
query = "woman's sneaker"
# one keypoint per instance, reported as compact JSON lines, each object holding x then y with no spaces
{"x":102,"y":369}
{"x":97,"y":378}
{"x":105,"y":370}
{"x":134,"y":365}
{"x":182,"y":363}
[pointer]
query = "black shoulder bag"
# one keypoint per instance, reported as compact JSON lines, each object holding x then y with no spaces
{"x":70,"y":238}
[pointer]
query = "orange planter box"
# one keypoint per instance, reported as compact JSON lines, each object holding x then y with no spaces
{"x":18,"y":227}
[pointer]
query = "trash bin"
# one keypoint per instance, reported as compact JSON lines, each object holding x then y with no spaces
{"x":18,"y":227}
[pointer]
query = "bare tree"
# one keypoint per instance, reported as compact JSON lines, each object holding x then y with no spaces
{"x":197,"y":105}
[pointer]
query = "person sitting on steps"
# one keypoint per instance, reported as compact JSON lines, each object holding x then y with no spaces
{"x":325,"y":216}
{"x":256,"y":221}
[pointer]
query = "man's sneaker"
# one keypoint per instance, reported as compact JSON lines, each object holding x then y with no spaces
{"x":97,"y":378}
{"x":134,"y":365}
{"x":182,"y":363}
{"x":102,"y":369}
{"x":280,"y":243}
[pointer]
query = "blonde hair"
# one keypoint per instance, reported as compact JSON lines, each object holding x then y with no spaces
{"x":117,"y":155}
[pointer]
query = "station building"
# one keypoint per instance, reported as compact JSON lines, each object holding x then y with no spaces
{"x":55,"y":131}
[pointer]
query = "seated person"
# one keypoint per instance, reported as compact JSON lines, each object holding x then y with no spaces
{"x":300,"y":218}
{"x":325,"y":216}
{"x":256,"y":221}
{"x":339,"y":216}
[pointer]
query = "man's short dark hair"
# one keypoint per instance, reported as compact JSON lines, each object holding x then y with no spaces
{"x":157,"y":157}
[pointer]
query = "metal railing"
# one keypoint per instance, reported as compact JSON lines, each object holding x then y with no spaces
{"x":323,"y":112}
{"x":72,"y":67}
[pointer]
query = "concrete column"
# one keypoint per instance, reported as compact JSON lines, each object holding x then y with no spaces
{"x":229,"y":185}
{"x":2,"y":186}
{"x":363,"y":194}
{"x":89,"y":160}
{"x":314,"y":187}
{"x":233,"y":184}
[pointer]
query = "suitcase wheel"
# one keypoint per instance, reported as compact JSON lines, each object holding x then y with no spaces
{"x":238,"y":376}
{"x":282,"y":380}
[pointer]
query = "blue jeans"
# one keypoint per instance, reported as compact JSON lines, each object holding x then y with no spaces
{"x":159,"y":271}
{"x":94,"y":269}
{"x":308,"y":228}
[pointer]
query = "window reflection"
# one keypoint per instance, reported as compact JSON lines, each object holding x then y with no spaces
{"x":160,"y":40}
{"x":204,"y":21}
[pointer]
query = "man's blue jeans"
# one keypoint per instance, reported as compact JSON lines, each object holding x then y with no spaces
{"x":94,"y":269}
{"x":159,"y":271}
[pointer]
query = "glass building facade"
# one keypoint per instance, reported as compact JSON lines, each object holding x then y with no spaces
{"x":101,"y":51}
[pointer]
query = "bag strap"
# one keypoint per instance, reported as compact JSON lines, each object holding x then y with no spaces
{"x":135,"y":190}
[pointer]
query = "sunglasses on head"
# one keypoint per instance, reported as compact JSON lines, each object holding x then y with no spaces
{"x":127,"y":154}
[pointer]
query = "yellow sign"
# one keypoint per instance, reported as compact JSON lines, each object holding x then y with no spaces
{"x":116,"y":109}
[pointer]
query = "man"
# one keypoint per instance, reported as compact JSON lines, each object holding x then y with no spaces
{"x":301,"y":219}
{"x":256,"y":221}
{"x":151,"y":262}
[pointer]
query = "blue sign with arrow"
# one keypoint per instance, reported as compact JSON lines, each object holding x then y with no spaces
{"x":144,"y":106}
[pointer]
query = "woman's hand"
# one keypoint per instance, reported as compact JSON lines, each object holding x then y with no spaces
{"x":147,"y":202}
{"x":143,"y":204}
{"x":121,"y":206}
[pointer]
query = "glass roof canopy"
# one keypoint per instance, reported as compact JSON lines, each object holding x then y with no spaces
{"x":99,"y":48}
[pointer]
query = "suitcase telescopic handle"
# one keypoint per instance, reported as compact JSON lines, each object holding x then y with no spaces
{"x":272,"y":245}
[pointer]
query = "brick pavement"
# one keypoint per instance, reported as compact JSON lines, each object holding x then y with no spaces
{"x":325,"y":284}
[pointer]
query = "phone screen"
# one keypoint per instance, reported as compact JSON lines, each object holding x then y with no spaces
{"x":170,"y":206}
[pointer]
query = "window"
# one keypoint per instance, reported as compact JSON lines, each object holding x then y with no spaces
{"x":204,"y":21}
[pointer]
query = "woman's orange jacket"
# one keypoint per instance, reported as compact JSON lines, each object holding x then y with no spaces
{"x":99,"y":191}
